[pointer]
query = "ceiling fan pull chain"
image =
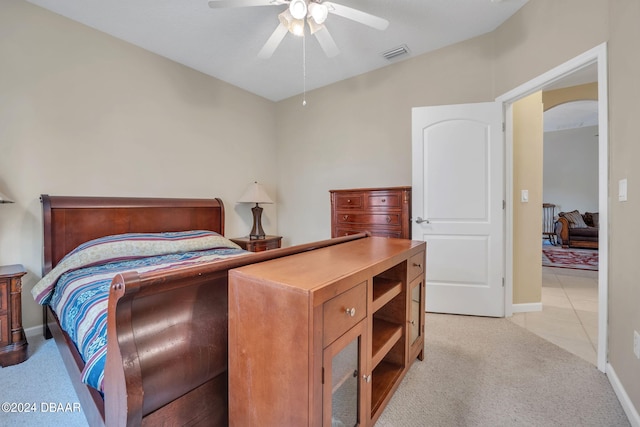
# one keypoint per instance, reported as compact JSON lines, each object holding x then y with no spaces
{"x":304,"y":68}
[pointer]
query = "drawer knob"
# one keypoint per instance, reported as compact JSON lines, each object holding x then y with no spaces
{"x":415,"y":264}
{"x":366,"y":378}
{"x":388,"y":219}
{"x":384,"y":200}
{"x":348,"y":200}
{"x":345,"y":217}
{"x":351,"y":311}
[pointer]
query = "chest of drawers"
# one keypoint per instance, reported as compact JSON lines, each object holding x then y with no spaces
{"x":382,"y":212}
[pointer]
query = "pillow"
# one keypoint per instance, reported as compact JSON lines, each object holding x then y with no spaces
{"x":575,"y":219}
{"x":128,"y":246}
{"x":592,"y":219}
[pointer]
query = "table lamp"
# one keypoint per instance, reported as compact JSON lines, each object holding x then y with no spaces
{"x":255,"y":193}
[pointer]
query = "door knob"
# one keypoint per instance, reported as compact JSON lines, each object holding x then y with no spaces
{"x":420,"y":220}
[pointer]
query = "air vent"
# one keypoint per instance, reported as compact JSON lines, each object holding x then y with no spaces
{"x":395,"y":52}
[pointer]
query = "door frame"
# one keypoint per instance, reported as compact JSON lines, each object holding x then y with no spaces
{"x":596,"y":55}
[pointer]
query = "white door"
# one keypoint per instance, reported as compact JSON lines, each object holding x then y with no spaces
{"x":458,"y":208}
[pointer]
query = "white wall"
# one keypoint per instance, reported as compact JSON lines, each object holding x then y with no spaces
{"x":570,"y":178}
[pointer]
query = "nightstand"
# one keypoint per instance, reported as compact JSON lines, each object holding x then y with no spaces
{"x":258,"y":245}
{"x":13,"y":343}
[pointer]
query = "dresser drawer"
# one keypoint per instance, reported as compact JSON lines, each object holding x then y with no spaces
{"x":344,"y":311}
{"x":384,"y":200}
{"x":349,"y":201}
{"x":368,"y":218}
{"x":416,"y":265}
{"x":374,"y":231}
{"x":4,"y":295}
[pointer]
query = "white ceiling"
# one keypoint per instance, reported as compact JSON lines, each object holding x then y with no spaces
{"x":224,"y":43}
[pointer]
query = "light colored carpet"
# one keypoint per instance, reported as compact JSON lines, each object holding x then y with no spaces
{"x":491,"y":372}
{"x":477,"y":372}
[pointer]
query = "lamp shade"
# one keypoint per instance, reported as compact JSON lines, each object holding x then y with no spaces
{"x":5,"y":199}
{"x":255,"y":193}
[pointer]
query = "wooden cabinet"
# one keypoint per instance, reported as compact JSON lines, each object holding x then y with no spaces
{"x":258,"y":245}
{"x":383,"y":212}
{"x":324,"y":337}
{"x":13,"y":343}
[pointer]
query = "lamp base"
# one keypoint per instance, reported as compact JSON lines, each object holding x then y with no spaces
{"x":257,"y":233}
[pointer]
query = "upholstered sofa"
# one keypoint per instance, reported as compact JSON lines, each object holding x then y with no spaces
{"x":578,"y":230}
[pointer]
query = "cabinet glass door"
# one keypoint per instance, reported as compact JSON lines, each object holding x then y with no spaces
{"x":416,"y":319}
{"x":343,"y":389}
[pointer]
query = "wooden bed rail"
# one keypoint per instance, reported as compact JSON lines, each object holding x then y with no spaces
{"x":167,"y":344}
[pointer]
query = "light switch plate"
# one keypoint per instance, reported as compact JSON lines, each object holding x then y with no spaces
{"x":622,"y":190}
{"x":524,"y":196}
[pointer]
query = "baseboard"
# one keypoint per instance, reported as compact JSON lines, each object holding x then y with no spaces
{"x":33,"y":331}
{"x":623,"y":397}
{"x":524,"y":308}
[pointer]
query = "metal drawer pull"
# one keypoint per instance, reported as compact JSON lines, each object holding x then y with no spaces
{"x":388,"y":219}
{"x":417,"y":265}
{"x":348,"y":200}
{"x":366,"y":378}
{"x":384,"y":200}
{"x":351,"y":311}
{"x":420,"y":220}
{"x":345,"y":217}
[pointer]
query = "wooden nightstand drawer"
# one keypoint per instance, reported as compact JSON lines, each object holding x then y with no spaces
{"x":258,"y":245}
{"x":4,"y":331}
{"x":4,"y":295}
{"x":342,"y":312}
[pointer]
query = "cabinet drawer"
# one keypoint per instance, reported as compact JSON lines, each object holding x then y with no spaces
{"x":344,"y":311}
{"x":416,"y":265}
{"x":4,"y":295}
{"x":384,"y":200}
{"x":364,"y":218}
{"x":349,"y":201}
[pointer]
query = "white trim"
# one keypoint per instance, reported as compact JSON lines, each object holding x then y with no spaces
{"x":33,"y":331}
{"x":623,"y":397}
{"x":597,"y":55}
{"x":525,"y":308}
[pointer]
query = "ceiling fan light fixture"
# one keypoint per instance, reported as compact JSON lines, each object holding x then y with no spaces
{"x":318,"y":12}
{"x":297,"y":27}
{"x":298,"y":9}
{"x":314,"y":26}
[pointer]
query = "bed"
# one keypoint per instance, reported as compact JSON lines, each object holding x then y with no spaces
{"x":166,"y":329}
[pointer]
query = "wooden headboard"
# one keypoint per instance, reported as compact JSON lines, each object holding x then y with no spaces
{"x":71,"y":221}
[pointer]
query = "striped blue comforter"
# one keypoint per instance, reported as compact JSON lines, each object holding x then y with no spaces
{"x":79,"y":298}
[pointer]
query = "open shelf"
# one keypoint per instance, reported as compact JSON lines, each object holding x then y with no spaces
{"x":384,"y":290}
{"x":384,"y":379}
{"x":385,"y":336}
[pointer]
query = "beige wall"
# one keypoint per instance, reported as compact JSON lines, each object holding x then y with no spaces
{"x":82,"y":113}
{"x":527,"y":216}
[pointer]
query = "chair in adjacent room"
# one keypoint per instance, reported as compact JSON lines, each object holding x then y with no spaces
{"x":548,"y":222}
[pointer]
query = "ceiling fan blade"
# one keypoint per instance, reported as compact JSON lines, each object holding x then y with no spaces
{"x":220,"y":4}
{"x":274,"y":41}
{"x":357,"y":15}
{"x":326,"y":42}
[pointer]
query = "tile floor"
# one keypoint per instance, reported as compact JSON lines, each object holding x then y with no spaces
{"x":569,"y":316}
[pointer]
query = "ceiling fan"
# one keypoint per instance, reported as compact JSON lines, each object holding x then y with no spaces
{"x":292,"y":20}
